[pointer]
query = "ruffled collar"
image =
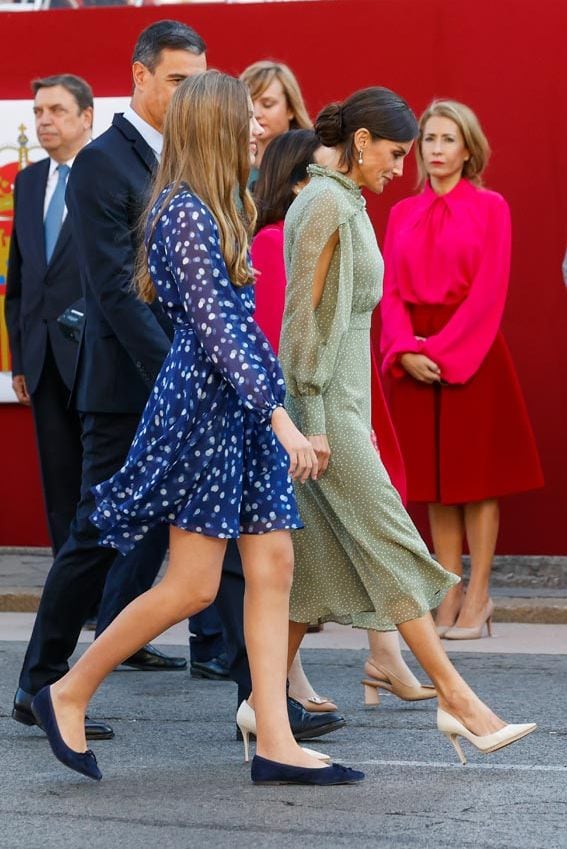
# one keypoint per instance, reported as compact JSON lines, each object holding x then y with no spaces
{"x":346,"y":182}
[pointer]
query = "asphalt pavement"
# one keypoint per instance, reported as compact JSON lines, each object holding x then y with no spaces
{"x":174,"y":776}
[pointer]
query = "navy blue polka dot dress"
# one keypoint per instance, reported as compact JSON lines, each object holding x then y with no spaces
{"x":204,"y":457}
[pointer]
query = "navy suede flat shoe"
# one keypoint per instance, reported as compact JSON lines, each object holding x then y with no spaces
{"x":272,"y":772}
{"x":83,"y":762}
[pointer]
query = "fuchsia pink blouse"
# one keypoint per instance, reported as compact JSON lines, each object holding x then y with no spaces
{"x":451,"y":249}
{"x":268,"y":259}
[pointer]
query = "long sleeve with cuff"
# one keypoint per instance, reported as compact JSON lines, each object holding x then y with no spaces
{"x":311,"y":338}
{"x":216,"y":311}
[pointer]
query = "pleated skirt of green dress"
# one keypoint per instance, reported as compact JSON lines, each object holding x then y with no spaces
{"x":359,"y":560}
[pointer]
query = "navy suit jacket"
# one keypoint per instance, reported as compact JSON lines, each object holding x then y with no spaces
{"x":124,"y":341}
{"x":37,"y":292}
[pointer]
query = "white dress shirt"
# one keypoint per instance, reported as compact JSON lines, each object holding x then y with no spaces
{"x":151,"y":136}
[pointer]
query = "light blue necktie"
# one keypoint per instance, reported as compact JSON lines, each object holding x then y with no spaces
{"x":54,"y":215}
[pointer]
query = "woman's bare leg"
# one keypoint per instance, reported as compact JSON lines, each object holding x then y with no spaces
{"x":189,"y":585}
{"x":385,"y":654}
{"x":447,"y":530}
{"x":297,"y":631}
{"x":299,"y":684}
{"x":482,"y":519}
{"x":267,"y":563}
{"x":454,"y":694}
{"x":300,"y":687}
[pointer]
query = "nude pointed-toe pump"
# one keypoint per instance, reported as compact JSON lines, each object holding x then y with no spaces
{"x":246,"y":721}
{"x":453,"y":729}
{"x":474,"y":633}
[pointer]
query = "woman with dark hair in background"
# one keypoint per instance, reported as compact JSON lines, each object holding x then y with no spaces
{"x":281,"y":177}
{"x":359,"y":559}
{"x":455,"y":397}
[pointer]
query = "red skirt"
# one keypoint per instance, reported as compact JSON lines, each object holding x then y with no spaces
{"x":468,"y":442}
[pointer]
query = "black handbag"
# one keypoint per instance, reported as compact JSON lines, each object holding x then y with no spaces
{"x":72,"y":320}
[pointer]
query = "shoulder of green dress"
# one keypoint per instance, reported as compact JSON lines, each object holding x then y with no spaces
{"x":324,"y":198}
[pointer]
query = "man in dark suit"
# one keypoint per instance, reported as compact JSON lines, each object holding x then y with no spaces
{"x":122,"y":348}
{"x":43,"y":280}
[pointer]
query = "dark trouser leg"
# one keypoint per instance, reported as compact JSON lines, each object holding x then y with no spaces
{"x":132,"y":575}
{"x":58,"y":436}
{"x":205,"y":641}
{"x":230,"y":607}
{"x":76,"y":579}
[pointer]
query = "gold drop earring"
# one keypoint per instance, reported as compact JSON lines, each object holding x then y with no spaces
{"x":360,"y":158}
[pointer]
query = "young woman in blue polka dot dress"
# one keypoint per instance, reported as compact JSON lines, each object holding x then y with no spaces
{"x":215,"y":448}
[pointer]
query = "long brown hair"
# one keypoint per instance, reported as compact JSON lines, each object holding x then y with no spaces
{"x":206,"y":145}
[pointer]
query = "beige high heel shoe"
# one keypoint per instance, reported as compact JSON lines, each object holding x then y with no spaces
{"x":475,"y":633}
{"x":381,"y":679}
{"x":246,"y":721}
{"x":453,"y":729}
{"x":442,"y":629}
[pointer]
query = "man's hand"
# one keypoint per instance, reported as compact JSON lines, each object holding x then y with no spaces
{"x":20,"y":389}
{"x":421,"y":368}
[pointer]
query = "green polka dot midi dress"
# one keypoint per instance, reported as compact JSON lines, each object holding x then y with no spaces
{"x":359,"y":560}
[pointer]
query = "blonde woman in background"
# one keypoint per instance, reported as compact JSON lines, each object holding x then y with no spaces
{"x":455,"y":398}
{"x":278,"y":104}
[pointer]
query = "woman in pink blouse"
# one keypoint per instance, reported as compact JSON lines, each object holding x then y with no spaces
{"x":456,"y":401}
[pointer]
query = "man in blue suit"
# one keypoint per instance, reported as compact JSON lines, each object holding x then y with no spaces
{"x":43,"y":280}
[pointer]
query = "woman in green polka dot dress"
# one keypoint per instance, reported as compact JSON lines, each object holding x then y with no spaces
{"x":360,"y":560}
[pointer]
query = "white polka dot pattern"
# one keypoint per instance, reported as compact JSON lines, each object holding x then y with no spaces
{"x":204,"y":457}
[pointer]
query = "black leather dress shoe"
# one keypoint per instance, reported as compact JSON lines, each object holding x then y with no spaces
{"x":22,"y":712}
{"x":150,"y":659}
{"x":214,"y":669}
{"x":305,"y":725}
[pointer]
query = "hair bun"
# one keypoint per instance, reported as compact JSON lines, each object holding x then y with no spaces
{"x":329,"y":125}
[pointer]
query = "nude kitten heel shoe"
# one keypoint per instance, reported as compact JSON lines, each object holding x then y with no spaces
{"x":316,"y":704}
{"x":380,"y":679}
{"x":456,"y":633}
{"x":246,"y":721}
{"x":453,"y":729}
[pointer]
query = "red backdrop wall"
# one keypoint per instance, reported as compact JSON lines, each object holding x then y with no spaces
{"x":505,"y":59}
